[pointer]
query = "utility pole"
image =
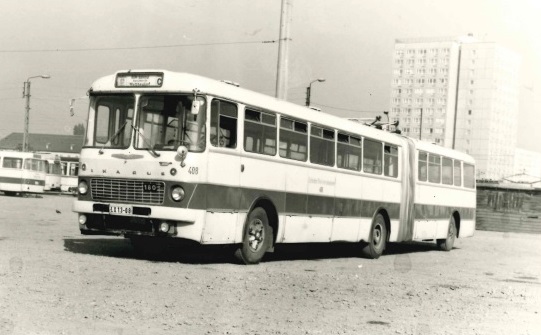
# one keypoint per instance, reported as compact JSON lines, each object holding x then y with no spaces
{"x":26,"y":94}
{"x":456,"y":95}
{"x":421,"y":125}
{"x":283,"y":45}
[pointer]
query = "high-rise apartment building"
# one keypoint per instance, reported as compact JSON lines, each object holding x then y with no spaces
{"x":459,"y":93}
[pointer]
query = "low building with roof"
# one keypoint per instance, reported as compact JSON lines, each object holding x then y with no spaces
{"x":61,"y":144}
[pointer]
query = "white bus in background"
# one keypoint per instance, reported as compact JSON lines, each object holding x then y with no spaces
{"x":69,"y":172}
{"x":53,"y":168}
{"x":174,"y":155}
{"x":21,"y":172}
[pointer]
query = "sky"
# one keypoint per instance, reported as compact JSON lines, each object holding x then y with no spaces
{"x":349,"y":43}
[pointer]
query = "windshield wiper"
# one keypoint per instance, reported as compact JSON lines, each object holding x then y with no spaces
{"x":112,"y":137}
{"x":147,"y":142}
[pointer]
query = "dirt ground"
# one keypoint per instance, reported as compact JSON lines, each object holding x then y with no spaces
{"x":55,"y":281}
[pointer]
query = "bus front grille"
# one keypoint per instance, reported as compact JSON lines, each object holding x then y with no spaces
{"x":126,"y":190}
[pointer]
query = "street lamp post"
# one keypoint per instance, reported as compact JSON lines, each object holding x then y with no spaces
{"x":26,"y":94}
{"x":309,"y":90}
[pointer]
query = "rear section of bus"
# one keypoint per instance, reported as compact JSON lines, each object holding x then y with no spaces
{"x":444,"y":194}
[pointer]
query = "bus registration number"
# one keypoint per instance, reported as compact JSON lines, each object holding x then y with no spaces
{"x":151,"y":187}
{"x":121,"y":209}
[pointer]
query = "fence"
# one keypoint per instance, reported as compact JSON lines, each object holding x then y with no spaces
{"x":508,"y":209}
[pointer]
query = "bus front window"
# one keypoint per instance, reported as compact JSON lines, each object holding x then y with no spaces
{"x":113,"y":120}
{"x":166,"y":121}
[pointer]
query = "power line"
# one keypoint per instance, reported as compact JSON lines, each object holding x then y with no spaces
{"x":137,"y":48}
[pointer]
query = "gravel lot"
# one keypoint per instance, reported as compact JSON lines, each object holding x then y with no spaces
{"x":55,"y":281}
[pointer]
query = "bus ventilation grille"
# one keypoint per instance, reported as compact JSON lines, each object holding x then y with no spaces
{"x":129,"y":191}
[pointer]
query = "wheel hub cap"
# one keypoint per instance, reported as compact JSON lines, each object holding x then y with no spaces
{"x":255,"y":234}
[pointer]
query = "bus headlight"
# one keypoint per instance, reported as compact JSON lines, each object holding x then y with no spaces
{"x":82,"y":219}
{"x":164,"y":227}
{"x":177,"y":193}
{"x":83,"y":187}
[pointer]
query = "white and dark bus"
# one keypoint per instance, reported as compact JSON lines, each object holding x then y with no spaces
{"x":53,"y":170}
{"x":69,"y":165}
{"x":21,"y":172}
{"x":174,"y":155}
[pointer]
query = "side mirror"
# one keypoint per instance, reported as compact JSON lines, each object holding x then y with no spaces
{"x":196,"y":104}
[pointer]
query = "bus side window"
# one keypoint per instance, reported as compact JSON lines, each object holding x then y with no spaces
{"x":223,"y":124}
{"x":372,"y":156}
{"x":321,"y":146}
{"x":349,"y":152}
{"x":259,"y":132}
{"x":10,"y":162}
{"x":447,"y":171}
{"x":391,"y":160}
{"x":422,"y":166}
{"x":469,"y":176}
{"x":434,"y":169}
{"x":293,"y":139}
{"x":457,"y":173}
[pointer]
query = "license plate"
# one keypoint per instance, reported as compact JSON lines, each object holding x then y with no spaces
{"x":121,"y":209}
{"x":152,"y":187}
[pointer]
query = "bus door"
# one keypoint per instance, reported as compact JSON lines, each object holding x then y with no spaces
{"x":223,"y":173}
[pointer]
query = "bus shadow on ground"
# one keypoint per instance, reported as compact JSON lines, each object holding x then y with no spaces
{"x":189,"y":252}
{"x":178,"y":251}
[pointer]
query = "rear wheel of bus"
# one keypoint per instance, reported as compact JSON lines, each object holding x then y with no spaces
{"x":378,"y":238}
{"x":256,"y":238}
{"x":446,"y":244}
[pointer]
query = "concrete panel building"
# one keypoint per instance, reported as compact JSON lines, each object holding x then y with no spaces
{"x":459,"y":93}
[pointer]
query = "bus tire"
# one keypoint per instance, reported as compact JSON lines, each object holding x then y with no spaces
{"x":378,"y":238}
{"x":256,"y":237}
{"x":446,"y":244}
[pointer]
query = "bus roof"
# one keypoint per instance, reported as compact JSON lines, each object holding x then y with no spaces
{"x":17,"y":154}
{"x":187,"y":83}
{"x":437,"y":149}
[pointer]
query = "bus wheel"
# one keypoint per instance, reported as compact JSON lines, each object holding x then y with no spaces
{"x":378,"y":238}
{"x":447,"y":243}
{"x":256,"y":239}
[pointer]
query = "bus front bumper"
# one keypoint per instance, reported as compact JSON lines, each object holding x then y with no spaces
{"x":95,"y":218}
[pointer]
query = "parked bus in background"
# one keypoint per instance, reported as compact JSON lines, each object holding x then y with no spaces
{"x":174,"y":155}
{"x":21,"y":172}
{"x":70,"y":170}
{"x":53,"y":168}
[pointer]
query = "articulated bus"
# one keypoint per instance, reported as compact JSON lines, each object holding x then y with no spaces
{"x":21,"y":172}
{"x":53,"y":171}
{"x":175,"y":155}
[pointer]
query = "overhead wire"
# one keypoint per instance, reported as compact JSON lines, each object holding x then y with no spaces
{"x":136,"y":48}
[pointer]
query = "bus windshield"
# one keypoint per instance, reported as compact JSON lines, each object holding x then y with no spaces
{"x":166,"y":121}
{"x":112,"y":121}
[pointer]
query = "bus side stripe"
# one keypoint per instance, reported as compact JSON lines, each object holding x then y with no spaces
{"x":225,"y":198}
{"x":435,"y":212}
{"x":12,"y":180}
